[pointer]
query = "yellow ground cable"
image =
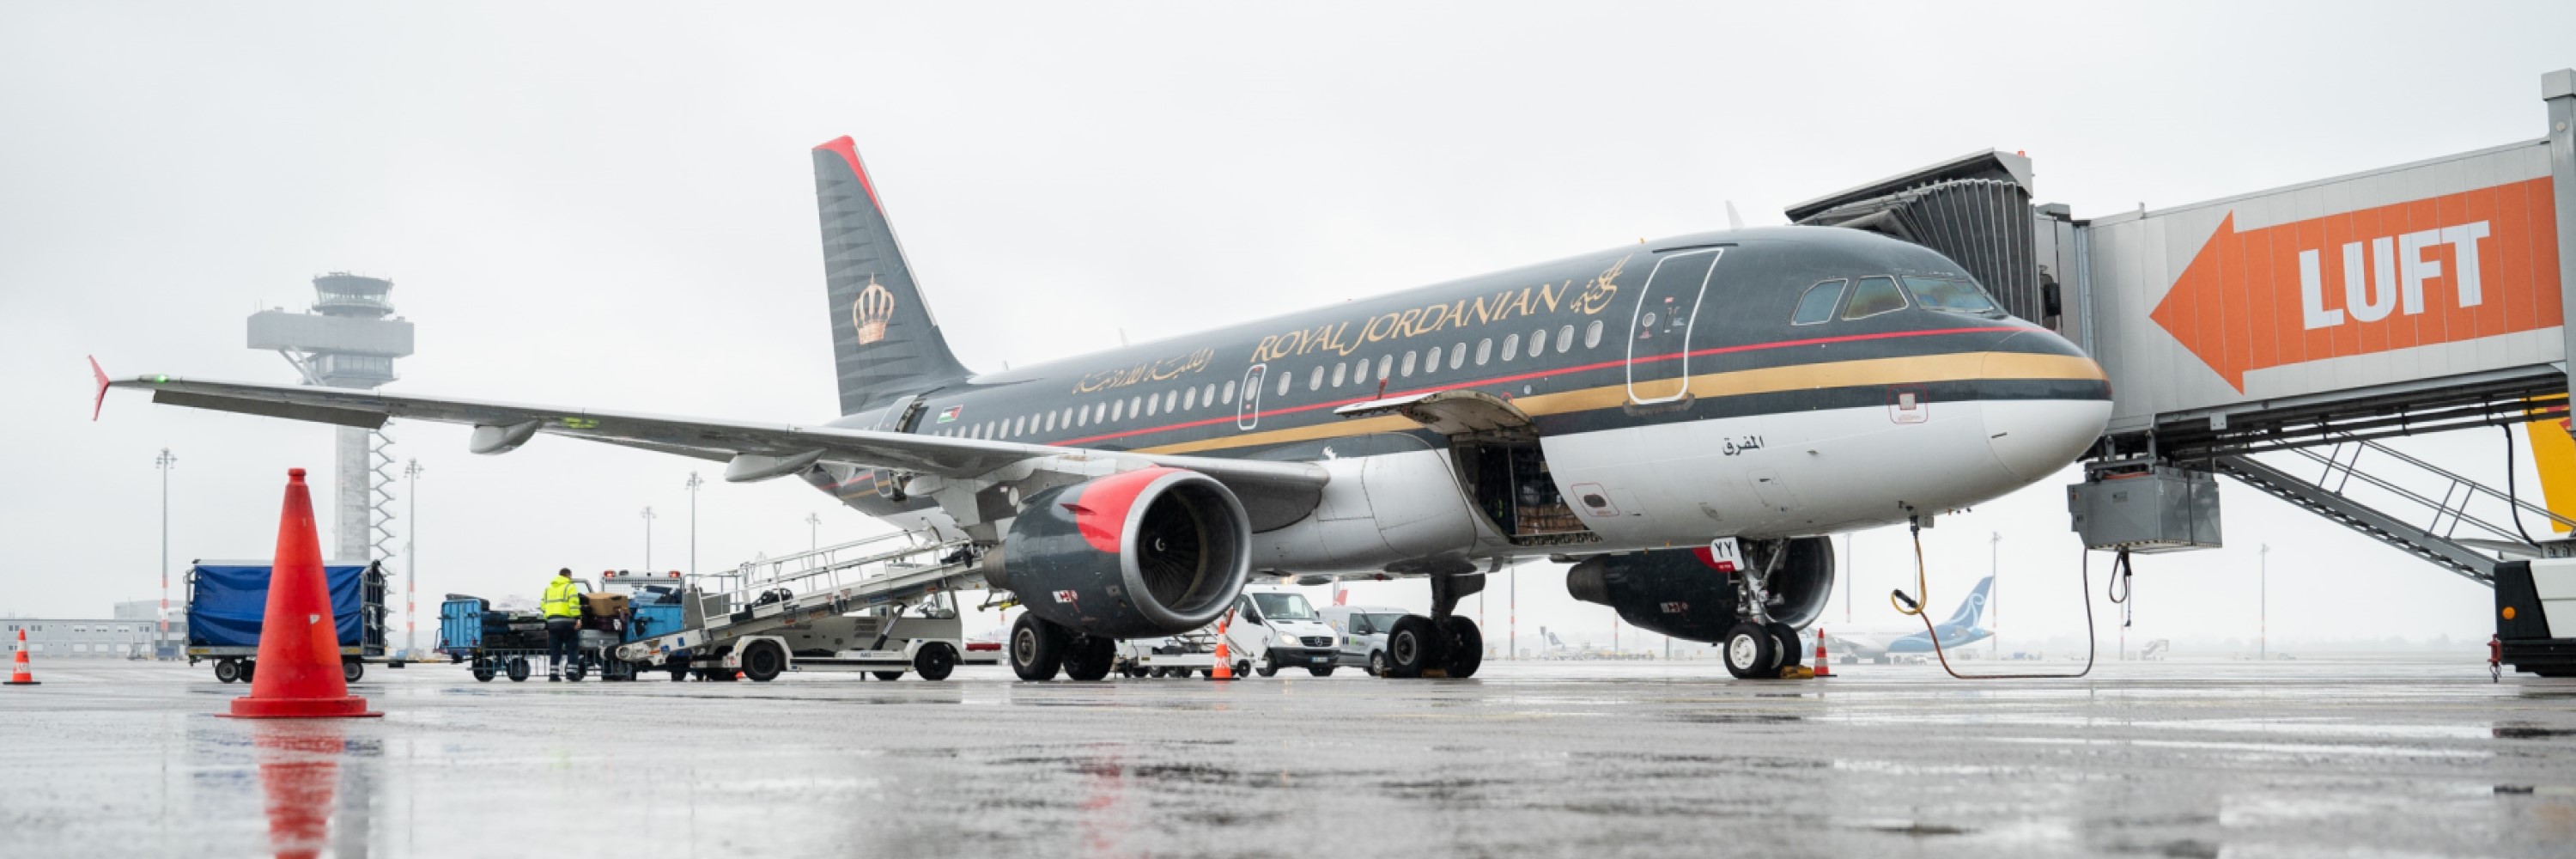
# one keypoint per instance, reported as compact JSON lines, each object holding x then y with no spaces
{"x":1905,"y":605}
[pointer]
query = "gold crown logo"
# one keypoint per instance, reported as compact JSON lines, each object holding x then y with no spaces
{"x":873,"y":310}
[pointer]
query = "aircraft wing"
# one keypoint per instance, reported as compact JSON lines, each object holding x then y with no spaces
{"x":754,"y":450}
{"x":1858,"y":645}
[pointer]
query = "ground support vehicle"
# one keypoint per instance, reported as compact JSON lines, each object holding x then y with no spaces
{"x":1363,"y":632}
{"x":228,"y":602}
{"x":514,"y":645}
{"x":1170,"y":656}
{"x":2536,"y":616}
{"x":883,"y":605}
{"x":1276,"y":629}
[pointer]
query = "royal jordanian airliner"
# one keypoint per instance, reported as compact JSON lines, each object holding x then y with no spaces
{"x":1688,"y":417}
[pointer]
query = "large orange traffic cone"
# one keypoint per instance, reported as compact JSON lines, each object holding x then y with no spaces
{"x":299,"y":639}
{"x":1224,"y":660}
{"x":18,"y":673}
{"x":1824,"y":663}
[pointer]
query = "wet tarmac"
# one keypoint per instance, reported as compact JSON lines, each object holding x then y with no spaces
{"x":2308,"y":758}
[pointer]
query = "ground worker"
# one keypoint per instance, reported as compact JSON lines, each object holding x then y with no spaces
{"x":562,"y":607}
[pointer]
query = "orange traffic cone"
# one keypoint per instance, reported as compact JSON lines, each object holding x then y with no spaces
{"x":299,"y":641}
{"x":18,"y":673}
{"x":1224,"y":660}
{"x":1824,"y":664}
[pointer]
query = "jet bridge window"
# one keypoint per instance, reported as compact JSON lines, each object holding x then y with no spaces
{"x":1875,"y":295}
{"x":1817,"y":306}
{"x":1950,"y":296}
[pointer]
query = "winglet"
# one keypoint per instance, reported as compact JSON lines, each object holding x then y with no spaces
{"x":101,"y":375}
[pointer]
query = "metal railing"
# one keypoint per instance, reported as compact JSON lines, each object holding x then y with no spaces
{"x":2342,"y":464}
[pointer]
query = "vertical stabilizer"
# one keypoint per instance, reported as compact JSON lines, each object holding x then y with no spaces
{"x":884,"y":339}
{"x":1973,"y":609}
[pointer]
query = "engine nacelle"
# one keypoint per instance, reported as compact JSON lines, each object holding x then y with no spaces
{"x":1675,"y":593}
{"x":1136,"y":554}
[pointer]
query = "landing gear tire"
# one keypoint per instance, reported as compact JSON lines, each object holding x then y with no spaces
{"x":1088,"y":658}
{"x":887,"y":675}
{"x":1412,"y":644}
{"x":228,"y":671}
{"x":934,"y":662}
{"x":1377,"y":664}
{"x":1037,"y":649}
{"x":1787,"y":637}
{"x":517,"y":669}
{"x":763,"y":661}
{"x":1751,"y":653}
{"x":1320,"y":670}
{"x":1465,"y":647}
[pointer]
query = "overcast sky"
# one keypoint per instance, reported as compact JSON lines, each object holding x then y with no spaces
{"x":613,"y":207}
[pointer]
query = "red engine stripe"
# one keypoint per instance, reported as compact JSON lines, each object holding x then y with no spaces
{"x":1100,"y":510}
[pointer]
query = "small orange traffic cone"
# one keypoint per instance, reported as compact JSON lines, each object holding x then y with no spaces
{"x":18,"y":673}
{"x":1224,"y":660}
{"x":1824,"y":663}
{"x":299,"y":637}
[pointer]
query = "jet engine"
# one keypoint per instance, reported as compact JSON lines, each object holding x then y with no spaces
{"x":1676,"y":593}
{"x":1137,"y":554}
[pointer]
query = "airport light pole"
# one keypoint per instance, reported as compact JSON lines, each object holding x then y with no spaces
{"x":694,"y":483}
{"x":2263,"y":603}
{"x":813,"y":532}
{"x":411,"y":559}
{"x":648,"y":538}
{"x":164,"y":462}
{"x":1994,"y":594}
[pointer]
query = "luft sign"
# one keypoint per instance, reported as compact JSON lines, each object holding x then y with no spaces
{"x":2455,"y":267}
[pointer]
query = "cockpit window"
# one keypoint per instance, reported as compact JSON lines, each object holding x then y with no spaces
{"x":1819,"y":303}
{"x":1874,"y":296}
{"x":1945,"y":294}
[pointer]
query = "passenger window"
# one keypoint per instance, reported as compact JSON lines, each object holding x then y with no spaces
{"x":1117,"y":410}
{"x":1340,"y":372}
{"x":1315,"y":380}
{"x":1082,"y":416}
{"x":1189,"y":399}
{"x":1135,"y":407}
{"x":1511,"y":347}
{"x":1171,"y":399}
{"x":1151,"y":403}
{"x":1874,"y":296}
{"x":1407,"y":368}
{"x":1385,"y":366}
{"x":1485,"y":349}
{"x":1953,"y":296}
{"x":1458,"y":356}
{"x":1050,"y":422}
{"x":1592,"y":334}
{"x":1565,"y":339}
{"x":1819,"y":302}
{"x":1538,"y":342}
{"x":1227,"y":398}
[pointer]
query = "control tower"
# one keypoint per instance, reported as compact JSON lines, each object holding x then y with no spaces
{"x":349,"y":340}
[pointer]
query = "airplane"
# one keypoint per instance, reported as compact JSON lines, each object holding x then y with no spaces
{"x":1879,"y":645}
{"x":1638,"y":408}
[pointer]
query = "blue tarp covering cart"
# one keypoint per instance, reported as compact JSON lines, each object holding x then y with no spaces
{"x":228,"y":601}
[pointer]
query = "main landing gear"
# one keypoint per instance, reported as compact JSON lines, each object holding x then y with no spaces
{"x":1039,"y":648}
{"x":1442,"y":645}
{"x":1757,"y":647}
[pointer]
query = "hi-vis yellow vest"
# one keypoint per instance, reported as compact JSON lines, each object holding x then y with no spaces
{"x":563,"y":599}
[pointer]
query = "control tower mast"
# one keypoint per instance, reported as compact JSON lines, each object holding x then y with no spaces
{"x":347,"y":341}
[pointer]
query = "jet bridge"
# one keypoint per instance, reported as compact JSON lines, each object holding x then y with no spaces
{"x":2310,"y":320}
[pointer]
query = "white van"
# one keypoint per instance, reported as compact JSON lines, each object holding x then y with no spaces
{"x":1275,"y":628}
{"x":1363,"y":634}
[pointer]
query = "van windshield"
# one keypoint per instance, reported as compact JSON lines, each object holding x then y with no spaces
{"x":1383,"y":622}
{"x":1283,"y":606}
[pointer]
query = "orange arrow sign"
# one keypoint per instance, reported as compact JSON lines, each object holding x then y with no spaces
{"x":2442,"y":269}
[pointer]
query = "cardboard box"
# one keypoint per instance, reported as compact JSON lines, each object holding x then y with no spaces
{"x":603,"y":604}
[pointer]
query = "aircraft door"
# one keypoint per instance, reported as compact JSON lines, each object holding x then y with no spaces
{"x":1659,"y":331}
{"x":1247,"y":411}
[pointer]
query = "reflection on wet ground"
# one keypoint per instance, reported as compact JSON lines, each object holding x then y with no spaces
{"x":2163,"y":759}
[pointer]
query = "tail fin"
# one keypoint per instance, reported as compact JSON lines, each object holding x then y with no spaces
{"x":884,"y":338}
{"x":1973,"y":608}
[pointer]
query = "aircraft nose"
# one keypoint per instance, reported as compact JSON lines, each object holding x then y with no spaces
{"x":2033,"y":438}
